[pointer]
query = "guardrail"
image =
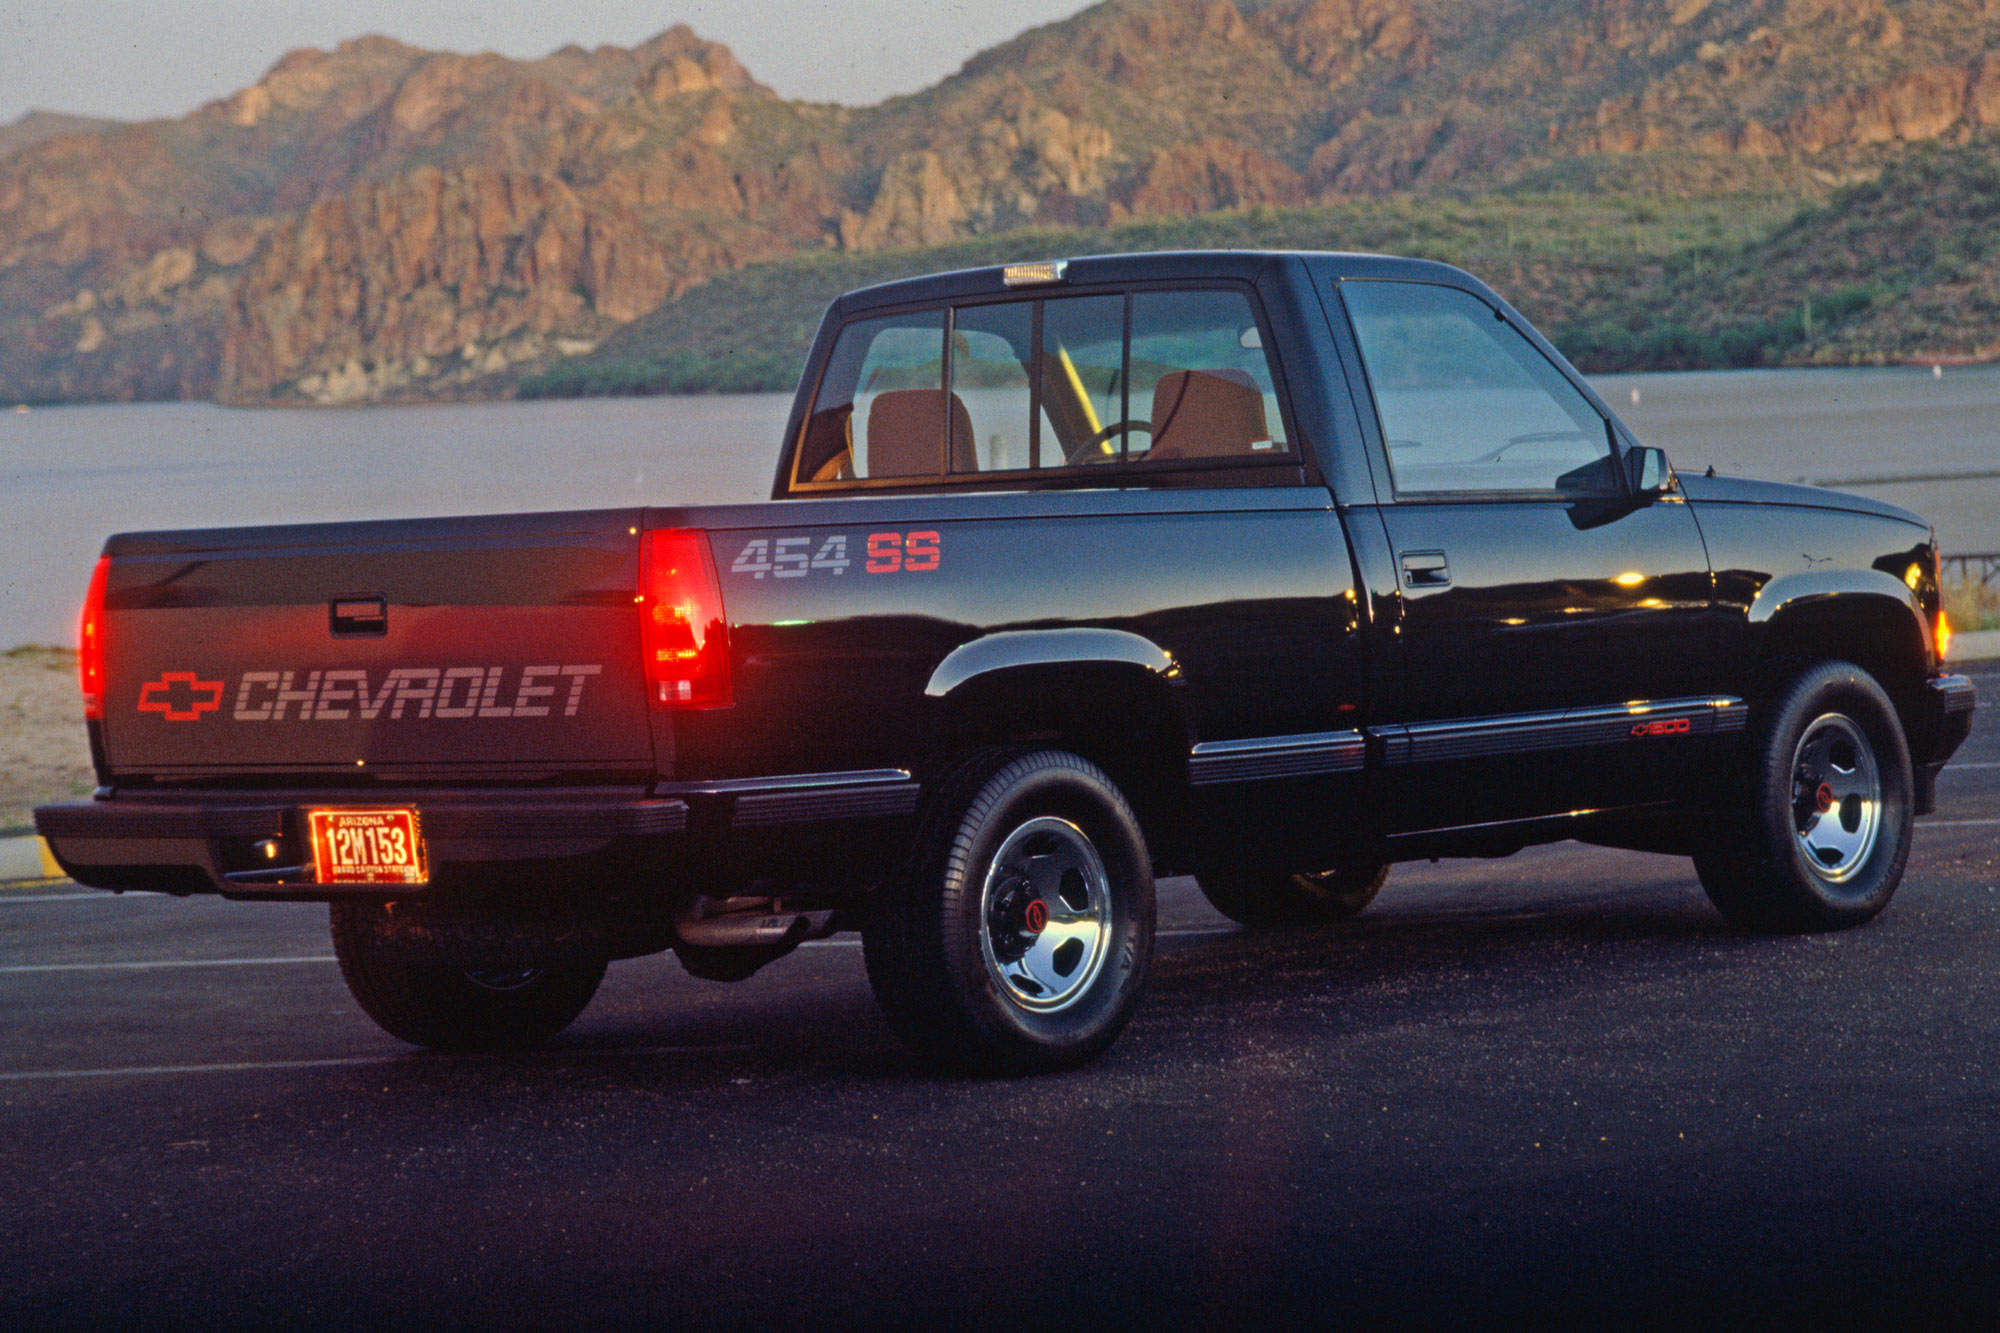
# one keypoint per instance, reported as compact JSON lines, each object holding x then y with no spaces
{"x":1985,"y":566}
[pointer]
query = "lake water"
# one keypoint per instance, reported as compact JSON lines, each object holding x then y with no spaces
{"x":71,"y":475}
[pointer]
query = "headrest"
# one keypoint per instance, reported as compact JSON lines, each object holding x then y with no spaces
{"x":905,"y":427}
{"x":1206,"y":414}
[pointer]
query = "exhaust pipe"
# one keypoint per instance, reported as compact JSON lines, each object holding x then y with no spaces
{"x":732,"y":930}
{"x":731,"y":945}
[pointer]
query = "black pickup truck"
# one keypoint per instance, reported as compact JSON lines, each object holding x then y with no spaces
{"x":1272,"y":569}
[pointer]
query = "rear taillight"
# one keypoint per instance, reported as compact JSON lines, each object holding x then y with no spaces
{"x":682,"y":624}
{"x":90,"y":643}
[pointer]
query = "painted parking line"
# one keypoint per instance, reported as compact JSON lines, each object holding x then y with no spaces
{"x":1958,"y":823}
{"x":153,"y":964}
{"x":427,"y":1060}
{"x":147,"y":965}
{"x":235,"y":1067}
{"x":6,"y":898}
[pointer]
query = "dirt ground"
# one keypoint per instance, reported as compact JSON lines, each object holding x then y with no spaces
{"x":43,"y":754}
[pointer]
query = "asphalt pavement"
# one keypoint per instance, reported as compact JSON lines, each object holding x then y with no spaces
{"x":1551,"y":1089}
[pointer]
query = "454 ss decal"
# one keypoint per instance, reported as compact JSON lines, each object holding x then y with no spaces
{"x":879,"y":552}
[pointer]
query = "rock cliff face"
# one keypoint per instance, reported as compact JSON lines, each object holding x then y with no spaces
{"x":438,"y":277}
{"x":378,"y":221}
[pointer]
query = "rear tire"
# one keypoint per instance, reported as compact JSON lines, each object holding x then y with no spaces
{"x":412,"y":993}
{"x":1279,"y":900}
{"x":1820,"y":834}
{"x":1018,"y":939}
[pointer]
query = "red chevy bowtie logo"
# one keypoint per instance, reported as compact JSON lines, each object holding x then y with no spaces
{"x":180,"y":697}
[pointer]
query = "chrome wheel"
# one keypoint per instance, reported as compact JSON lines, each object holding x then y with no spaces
{"x":1836,"y":797}
{"x":1045,"y":915}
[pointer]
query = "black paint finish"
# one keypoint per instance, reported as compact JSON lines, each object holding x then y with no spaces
{"x":1281,"y":662}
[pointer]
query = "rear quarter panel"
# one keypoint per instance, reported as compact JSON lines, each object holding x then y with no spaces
{"x":1248,"y":590}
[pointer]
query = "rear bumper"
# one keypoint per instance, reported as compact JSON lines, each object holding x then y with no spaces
{"x":207,"y":842}
{"x":1943,"y":722}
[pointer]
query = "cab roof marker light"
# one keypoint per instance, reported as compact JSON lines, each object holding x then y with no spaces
{"x":1035,"y":275}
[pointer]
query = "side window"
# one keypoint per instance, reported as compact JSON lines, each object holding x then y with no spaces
{"x":1466,"y":402}
{"x":882,"y":407}
{"x":1044,"y":382}
{"x":1201,"y":383}
{"x":1083,"y":381}
{"x":992,"y":358}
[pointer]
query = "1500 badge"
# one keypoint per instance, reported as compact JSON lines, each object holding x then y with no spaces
{"x":799,"y":557}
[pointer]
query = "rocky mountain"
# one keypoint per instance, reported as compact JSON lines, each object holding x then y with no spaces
{"x":379,"y":221}
{"x":36,"y":126}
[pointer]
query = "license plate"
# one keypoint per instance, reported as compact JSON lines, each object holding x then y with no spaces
{"x":366,"y":847}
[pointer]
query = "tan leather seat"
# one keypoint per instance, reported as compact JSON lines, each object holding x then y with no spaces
{"x":1206,"y":414}
{"x":904,"y":426}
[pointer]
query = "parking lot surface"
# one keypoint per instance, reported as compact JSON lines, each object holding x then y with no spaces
{"x":1552,"y":1088}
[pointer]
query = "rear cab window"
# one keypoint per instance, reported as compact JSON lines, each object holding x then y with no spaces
{"x":1078,"y":386}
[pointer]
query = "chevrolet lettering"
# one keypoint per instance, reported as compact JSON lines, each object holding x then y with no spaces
{"x":1271,"y":569}
{"x":443,"y":693}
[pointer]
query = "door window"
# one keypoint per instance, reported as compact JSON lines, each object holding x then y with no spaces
{"x":1466,"y":403}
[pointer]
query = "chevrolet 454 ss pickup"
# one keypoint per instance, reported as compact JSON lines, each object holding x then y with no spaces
{"x":1272,"y":569}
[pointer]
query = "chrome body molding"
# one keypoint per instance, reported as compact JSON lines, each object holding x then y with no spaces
{"x":1266,"y":757}
{"x":1522,"y":733}
{"x":813,"y":804}
{"x":789,"y":782}
{"x":799,"y":798}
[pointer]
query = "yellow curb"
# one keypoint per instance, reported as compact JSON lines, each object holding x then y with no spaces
{"x":28,"y":861}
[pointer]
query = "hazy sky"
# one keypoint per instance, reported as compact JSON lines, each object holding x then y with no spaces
{"x":141,"y":58}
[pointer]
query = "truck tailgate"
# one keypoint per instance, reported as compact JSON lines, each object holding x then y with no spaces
{"x":504,"y":646}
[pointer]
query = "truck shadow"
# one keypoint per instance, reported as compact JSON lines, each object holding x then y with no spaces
{"x":1431,"y":955}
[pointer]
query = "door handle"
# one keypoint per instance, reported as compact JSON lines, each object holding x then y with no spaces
{"x":1426,"y":569}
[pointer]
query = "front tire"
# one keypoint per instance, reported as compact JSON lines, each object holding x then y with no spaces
{"x":1019,"y":937}
{"x":1279,"y":900}
{"x":411,"y":992}
{"x":1821,"y":832}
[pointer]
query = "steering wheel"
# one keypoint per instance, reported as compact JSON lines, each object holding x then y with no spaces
{"x":1532,"y":437}
{"x":1088,"y":452}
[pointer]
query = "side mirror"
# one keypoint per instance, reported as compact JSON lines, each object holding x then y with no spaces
{"x":1651,"y":474}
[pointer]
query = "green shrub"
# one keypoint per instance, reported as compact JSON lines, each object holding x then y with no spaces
{"x":1972,"y":605}
{"x":675,"y":372}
